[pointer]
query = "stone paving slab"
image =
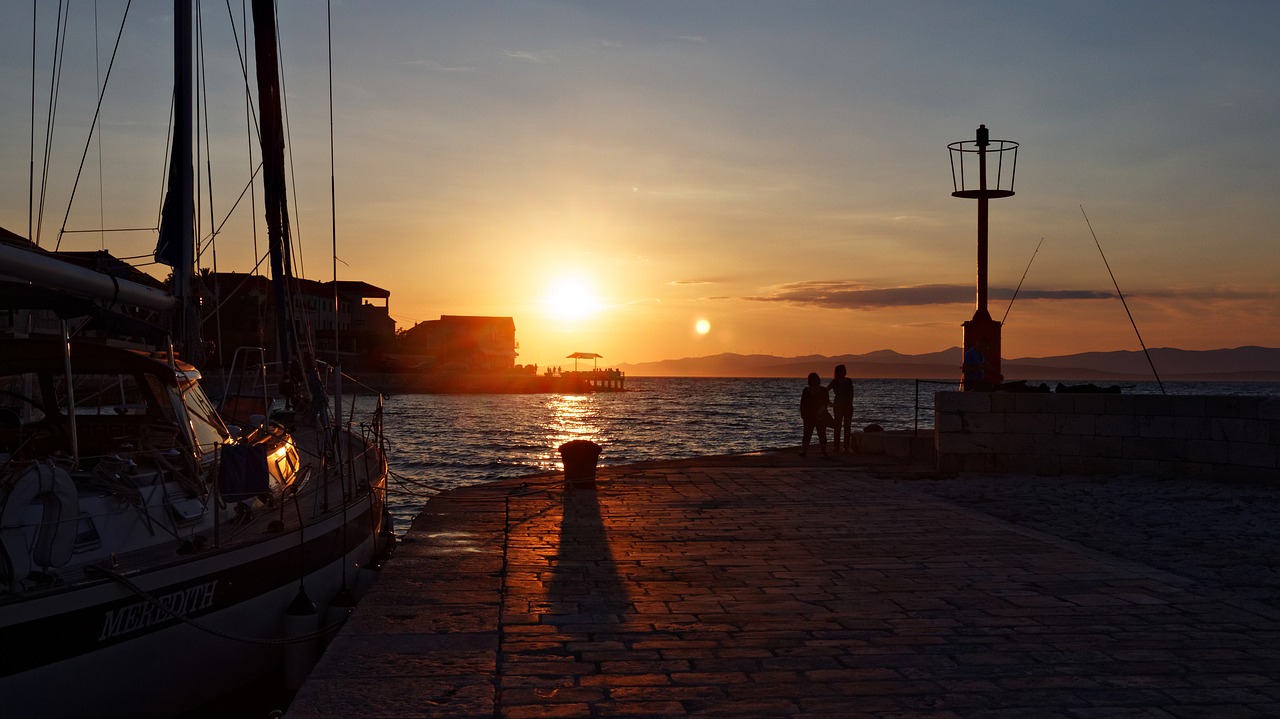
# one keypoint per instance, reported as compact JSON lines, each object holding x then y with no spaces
{"x":1224,"y":535}
{"x":775,"y":586}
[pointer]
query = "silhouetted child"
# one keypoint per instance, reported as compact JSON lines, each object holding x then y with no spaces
{"x":842,"y":390}
{"x":814,"y":414}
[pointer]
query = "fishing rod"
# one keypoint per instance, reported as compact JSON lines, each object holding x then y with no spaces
{"x":1126,"y":304}
{"x":1024,"y":277}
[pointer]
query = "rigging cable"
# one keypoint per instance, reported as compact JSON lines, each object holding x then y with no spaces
{"x":295,"y":223}
{"x":97,"y":79}
{"x":1024,"y":277}
{"x":59,"y":44}
{"x":1122,"y":301}
{"x":333,"y":194}
{"x":202,"y":100}
{"x":168,"y":150}
{"x":338,"y":444}
{"x":250,"y":119}
{"x":217,"y":230}
{"x":93,"y":125}
{"x":294,"y":258}
{"x":31,"y":161}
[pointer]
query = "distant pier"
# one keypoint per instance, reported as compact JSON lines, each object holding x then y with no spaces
{"x":598,"y":380}
{"x":515,"y":382}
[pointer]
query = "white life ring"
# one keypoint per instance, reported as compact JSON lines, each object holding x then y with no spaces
{"x":56,"y":535}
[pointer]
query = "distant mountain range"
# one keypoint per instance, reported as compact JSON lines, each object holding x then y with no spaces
{"x":1261,"y":364}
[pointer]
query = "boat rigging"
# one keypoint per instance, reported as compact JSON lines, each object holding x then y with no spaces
{"x":146,"y":527}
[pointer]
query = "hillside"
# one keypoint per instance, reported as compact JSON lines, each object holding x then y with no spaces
{"x":1261,"y":364}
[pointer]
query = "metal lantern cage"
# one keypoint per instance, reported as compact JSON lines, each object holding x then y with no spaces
{"x":970,"y":163}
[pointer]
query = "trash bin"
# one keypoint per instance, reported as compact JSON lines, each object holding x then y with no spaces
{"x":579,"y":458}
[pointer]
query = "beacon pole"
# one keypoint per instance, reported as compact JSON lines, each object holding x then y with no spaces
{"x":982,"y":142}
{"x":982,"y":332}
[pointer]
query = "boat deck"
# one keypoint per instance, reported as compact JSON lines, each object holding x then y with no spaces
{"x":319,"y":494}
{"x":775,"y":585}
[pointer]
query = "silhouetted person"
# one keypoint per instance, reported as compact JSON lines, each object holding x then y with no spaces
{"x":813,"y":413}
{"x":974,"y":367}
{"x":842,"y":391}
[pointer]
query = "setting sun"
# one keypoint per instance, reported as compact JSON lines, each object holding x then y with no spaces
{"x":571,"y":298}
{"x":702,"y":327}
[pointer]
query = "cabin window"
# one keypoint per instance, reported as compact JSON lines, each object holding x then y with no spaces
{"x":209,"y":430}
{"x":103,"y":394}
{"x":15,"y":409}
{"x":158,"y":389}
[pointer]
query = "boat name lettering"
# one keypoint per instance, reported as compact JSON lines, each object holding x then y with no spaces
{"x":144,"y":614}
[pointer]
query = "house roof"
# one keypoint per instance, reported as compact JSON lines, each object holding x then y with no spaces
{"x":363,"y":289}
{"x":312,"y":287}
{"x":478,"y":320}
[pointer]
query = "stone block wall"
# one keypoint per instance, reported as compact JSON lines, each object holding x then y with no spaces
{"x":1211,"y":437}
{"x":910,"y":445}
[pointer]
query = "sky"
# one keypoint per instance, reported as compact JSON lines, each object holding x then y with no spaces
{"x":659,"y":179}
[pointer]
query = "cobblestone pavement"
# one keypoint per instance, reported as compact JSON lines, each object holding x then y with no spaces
{"x":1225,"y":536}
{"x":776,"y":586}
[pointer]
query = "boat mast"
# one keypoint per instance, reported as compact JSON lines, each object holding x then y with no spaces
{"x":177,"y":243}
{"x":273,"y":174}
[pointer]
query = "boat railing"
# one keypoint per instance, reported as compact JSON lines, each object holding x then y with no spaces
{"x":246,"y":388}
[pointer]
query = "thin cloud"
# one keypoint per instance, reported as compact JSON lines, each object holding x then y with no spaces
{"x":851,"y":296}
{"x":527,"y":56}
{"x":1205,"y":293}
{"x":925,"y":325}
{"x":437,"y":67}
{"x":1005,"y":293}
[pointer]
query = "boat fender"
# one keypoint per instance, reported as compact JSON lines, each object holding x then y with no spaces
{"x":339,"y":609}
{"x":301,"y":620}
{"x":56,"y":537}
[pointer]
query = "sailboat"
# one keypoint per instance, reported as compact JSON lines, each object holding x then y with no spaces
{"x":157,"y":553}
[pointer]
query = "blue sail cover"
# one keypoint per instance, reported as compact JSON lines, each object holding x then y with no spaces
{"x":169,"y":246}
{"x":242,"y":472}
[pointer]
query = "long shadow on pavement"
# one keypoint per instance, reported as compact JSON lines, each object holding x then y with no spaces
{"x":585,"y":584}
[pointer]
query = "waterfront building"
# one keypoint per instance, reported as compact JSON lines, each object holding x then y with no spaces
{"x":460,"y":343}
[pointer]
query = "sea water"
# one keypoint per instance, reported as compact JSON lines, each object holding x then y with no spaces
{"x":442,"y":441}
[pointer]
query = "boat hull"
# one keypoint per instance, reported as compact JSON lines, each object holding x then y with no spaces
{"x":159,"y":643}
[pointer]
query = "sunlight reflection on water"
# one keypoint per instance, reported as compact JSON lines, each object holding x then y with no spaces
{"x":569,"y":417}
